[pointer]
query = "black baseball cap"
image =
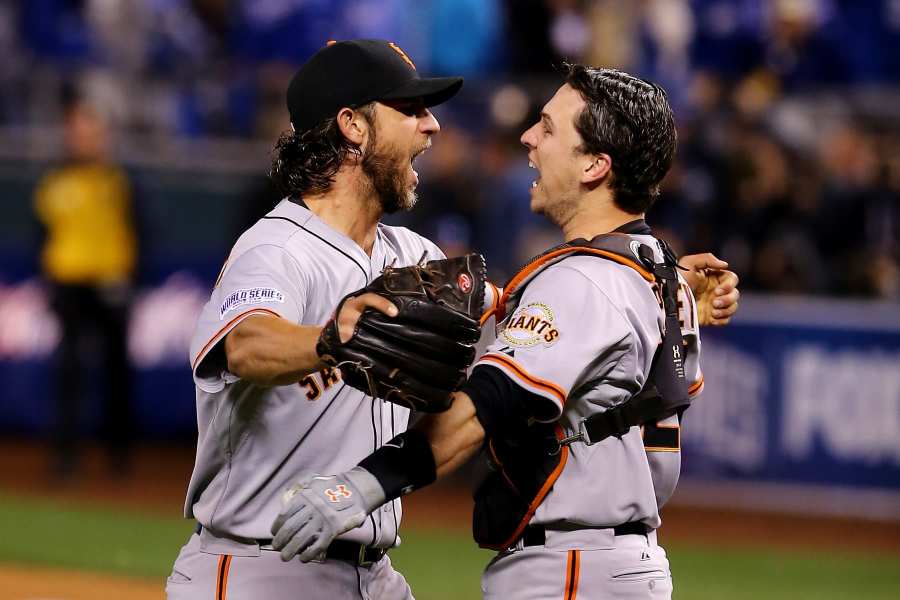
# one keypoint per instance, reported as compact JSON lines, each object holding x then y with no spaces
{"x":354,"y":73}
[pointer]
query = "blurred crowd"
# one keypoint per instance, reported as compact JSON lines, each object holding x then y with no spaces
{"x":788,"y":110}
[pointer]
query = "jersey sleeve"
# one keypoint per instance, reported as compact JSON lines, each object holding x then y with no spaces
{"x":565,"y":332}
{"x":492,"y":296}
{"x":690,"y":332}
{"x":662,"y":441}
{"x":432,"y":251}
{"x":264,"y":280}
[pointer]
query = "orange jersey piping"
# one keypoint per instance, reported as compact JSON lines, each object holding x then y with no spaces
{"x":543,"y":384}
{"x":545,"y":489}
{"x":215,"y":339}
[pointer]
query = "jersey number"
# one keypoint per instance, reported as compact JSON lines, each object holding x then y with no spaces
{"x":321,"y":380}
{"x":685,"y":306}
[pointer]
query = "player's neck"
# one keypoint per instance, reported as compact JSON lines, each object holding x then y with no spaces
{"x":346,"y":211}
{"x":594,"y":215}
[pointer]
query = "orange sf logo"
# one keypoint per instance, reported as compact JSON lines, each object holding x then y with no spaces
{"x":402,"y":54}
{"x":335,"y":495}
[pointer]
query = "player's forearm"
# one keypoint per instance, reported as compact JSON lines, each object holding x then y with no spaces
{"x":272,"y":351}
{"x":436,"y":446}
{"x":455,"y":436}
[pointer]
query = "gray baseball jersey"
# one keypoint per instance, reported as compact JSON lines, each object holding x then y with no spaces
{"x":582,"y":337}
{"x":255,"y":441}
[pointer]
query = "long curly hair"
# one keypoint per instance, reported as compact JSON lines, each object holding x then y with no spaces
{"x":306,"y":163}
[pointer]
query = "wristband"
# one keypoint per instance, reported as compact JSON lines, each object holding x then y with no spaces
{"x":403,"y":464}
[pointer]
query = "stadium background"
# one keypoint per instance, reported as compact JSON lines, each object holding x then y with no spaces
{"x":788,"y":167}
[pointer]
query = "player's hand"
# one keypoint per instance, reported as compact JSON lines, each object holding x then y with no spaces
{"x":354,"y":307}
{"x":319,"y":508}
{"x":715,"y":288}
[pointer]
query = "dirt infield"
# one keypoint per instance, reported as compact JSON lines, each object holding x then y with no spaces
{"x":21,"y":582}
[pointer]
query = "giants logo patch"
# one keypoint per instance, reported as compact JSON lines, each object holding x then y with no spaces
{"x":531,"y":325}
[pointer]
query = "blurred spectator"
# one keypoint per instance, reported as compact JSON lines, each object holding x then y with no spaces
{"x":508,"y":233}
{"x":805,"y":45}
{"x":89,"y":260}
{"x":12,"y":68}
{"x":785,"y":162}
{"x":279,"y":30}
{"x":858,"y":209}
{"x":614,"y":34}
{"x":464,"y":37}
{"x":57,"y":30}
{"x":531,"y":49}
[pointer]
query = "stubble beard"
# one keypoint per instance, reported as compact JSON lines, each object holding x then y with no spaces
{"x":559,"y":211}
{"x":384,"y":168}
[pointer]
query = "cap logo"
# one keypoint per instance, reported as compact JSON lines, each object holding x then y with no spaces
{"x":402,"y":54}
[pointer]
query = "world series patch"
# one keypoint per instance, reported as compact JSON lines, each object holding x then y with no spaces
{"x":531,"y":325}
{"x":249,"y":296}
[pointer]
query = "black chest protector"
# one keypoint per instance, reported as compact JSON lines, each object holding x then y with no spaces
{"x":527,"y":457}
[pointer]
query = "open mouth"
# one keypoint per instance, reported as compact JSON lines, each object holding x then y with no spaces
{"x":538,"y":178}
{"x":412,"y":161}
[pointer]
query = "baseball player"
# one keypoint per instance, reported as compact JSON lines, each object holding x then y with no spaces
{"x":268,"y":408}
{"x":578,"y":401}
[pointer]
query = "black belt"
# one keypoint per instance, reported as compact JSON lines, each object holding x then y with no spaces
{"x":352,"y":552}
{"x":536,"y":535}
{"x":357,"y":554}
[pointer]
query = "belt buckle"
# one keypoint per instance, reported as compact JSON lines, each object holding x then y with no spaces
{"x":361,"y":560}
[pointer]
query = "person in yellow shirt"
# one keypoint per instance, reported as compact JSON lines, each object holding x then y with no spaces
{"x":89,"y":259}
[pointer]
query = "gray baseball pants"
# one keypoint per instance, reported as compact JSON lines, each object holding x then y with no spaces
{"x":209,"y":567}
{"x":581,"y":565}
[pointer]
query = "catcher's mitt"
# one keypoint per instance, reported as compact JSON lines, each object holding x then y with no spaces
{"x":419,"y":357}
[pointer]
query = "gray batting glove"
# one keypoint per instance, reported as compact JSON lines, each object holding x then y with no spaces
{"x":319,"y":508}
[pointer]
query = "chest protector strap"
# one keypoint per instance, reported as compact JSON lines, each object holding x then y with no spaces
{"x":665,"y":392}
{"x":528,"y":458}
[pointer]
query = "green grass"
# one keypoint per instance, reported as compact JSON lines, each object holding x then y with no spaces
{"x":94,"y":539}
{"x":705,"y":573}
{"x":439,"y":565}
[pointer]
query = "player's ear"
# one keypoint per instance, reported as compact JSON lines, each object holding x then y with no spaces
{"x":353,"y":125}
{"x":595,"y":168}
